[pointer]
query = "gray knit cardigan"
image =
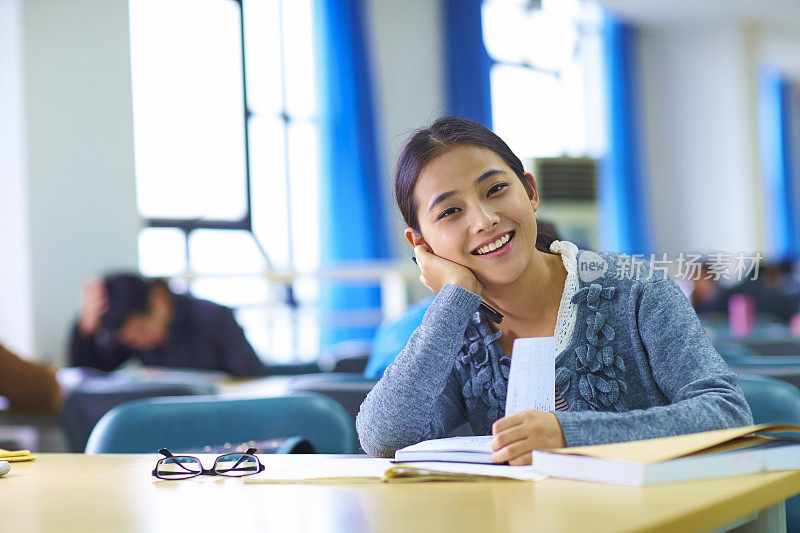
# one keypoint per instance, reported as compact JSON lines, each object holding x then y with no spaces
{"x":638,"y":365}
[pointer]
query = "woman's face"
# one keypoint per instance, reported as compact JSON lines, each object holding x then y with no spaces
{"x":473,"y":210}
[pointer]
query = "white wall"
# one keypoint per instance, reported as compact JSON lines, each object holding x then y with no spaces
{"x":408,"y":68}
{"x":82,"y":206}
{"x":410,"y":86}
{"x":16,"y":310}
{"x":700,"y":153}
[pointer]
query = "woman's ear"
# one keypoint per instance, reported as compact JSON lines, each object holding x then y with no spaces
{"x":413,"y":237}
{"x":530,"y":188}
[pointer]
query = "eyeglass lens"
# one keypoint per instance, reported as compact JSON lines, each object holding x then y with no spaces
{"x":179,"y":467}
{"x":236,"y":464}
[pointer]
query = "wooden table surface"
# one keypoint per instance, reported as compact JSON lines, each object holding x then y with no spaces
{"x":116,"y":493}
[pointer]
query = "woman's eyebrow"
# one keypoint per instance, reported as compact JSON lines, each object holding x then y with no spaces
{"x":445,"y":195}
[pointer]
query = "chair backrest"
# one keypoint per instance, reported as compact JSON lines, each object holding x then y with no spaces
{"x":771,"y":400}
{"x":93,"y":398}
{"x":346,"y":389}
{"x":144,"y":426}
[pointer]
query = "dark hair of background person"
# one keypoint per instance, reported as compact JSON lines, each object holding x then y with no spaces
{"x":127,"y":294}
{"x":443,"y":135}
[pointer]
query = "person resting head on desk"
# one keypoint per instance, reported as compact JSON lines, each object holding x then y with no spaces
{"x":632,"y":360}
{"x":124,"y":316}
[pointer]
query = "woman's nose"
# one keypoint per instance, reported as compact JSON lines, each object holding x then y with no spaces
{"x":484,"y":218}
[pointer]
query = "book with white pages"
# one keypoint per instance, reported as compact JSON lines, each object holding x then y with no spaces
{"x":709,"y":454}
{"x":451,"y":449}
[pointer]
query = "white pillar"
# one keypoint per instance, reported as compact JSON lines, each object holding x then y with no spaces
{"x":82,"y":205}
{"x":16,"y":307}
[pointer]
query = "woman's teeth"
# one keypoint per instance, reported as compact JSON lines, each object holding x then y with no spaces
{"x":495,"y":245}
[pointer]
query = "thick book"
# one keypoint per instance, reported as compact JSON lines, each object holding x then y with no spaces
{"x":720,"y":453}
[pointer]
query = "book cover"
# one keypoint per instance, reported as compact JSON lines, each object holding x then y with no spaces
{"x":707,"y":454}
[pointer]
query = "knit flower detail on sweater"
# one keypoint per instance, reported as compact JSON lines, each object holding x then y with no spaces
{"x":598,"y":373}
{"x":485,"y":363}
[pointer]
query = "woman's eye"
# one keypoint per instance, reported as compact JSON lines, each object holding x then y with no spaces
{"x":496,"y":188}
{"x":447,"y":212}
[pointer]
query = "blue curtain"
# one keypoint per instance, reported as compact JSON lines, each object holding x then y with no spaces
{"x":467,"y":63}
{"x":353,"y":214}
{"x":624,"y":221}
{"x":777,"y":172}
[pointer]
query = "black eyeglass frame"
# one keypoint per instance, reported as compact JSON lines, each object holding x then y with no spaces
{"x":206,"y":471}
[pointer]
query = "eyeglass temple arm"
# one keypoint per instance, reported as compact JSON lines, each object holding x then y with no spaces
{"x":168,"y":454}
{"x":250,"y":451}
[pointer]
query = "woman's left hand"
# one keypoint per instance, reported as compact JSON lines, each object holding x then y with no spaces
{"x":516,"y":436}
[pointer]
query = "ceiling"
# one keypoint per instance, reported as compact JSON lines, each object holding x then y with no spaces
{"x":777,"y":14}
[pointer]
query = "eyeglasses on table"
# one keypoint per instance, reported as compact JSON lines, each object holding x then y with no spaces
{"x":187,"y":466}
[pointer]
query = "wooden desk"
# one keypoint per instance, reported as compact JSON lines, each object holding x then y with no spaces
{"x":66,"y":492}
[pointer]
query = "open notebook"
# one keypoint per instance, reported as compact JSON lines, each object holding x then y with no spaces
{"x":320,"y":469}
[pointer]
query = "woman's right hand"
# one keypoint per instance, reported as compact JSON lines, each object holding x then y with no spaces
{"x":438,"y":272}
{"x":94,"y":303}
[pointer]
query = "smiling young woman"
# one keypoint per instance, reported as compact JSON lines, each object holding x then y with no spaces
{"x":632,"y":360}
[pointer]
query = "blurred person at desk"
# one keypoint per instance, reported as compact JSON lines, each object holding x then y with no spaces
{"x":27,"y":385}
{"x":124,"y":316}
{"x":773,"y":292}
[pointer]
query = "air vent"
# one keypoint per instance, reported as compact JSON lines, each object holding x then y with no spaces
{"x":566,"y":178}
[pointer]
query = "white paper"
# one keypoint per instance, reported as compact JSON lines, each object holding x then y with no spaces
{"x":532,"y":378}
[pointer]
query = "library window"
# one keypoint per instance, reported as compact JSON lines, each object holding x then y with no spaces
{"x":546,"y":76}
{"x":227,"y":160}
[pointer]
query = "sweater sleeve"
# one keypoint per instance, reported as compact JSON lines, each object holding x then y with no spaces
{"x":418,"y":397}
{"x":703,"y":391}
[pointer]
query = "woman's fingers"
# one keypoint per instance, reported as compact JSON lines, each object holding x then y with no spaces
{"x":438,"y":271}
{"x":508,"y":436}
{"x":517,"y":453}
{"x":540,"y":429}
{"x":507,"y":422}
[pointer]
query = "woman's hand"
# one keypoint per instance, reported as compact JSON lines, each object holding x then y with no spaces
{"x":516,"y":436}
{"x":438,"y":272}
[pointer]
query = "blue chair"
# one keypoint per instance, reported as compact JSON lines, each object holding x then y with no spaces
{"x":94,"y":397}
{"x":773,"y":400}
{"x":392,"y":337}
{"x":144,"y":426}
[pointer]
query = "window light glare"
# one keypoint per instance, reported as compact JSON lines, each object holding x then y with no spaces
{"x":162,"y":252}
{"x":225,"y":252}
{"x":188,"y":109}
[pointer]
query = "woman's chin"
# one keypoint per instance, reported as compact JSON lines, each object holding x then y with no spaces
{"x":499,"y":278}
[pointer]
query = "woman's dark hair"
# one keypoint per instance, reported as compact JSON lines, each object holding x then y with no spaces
{"x":443,"y":135}
{"x":128,"y":294}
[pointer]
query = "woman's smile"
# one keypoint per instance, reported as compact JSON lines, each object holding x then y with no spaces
{"x":496,"y":247}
